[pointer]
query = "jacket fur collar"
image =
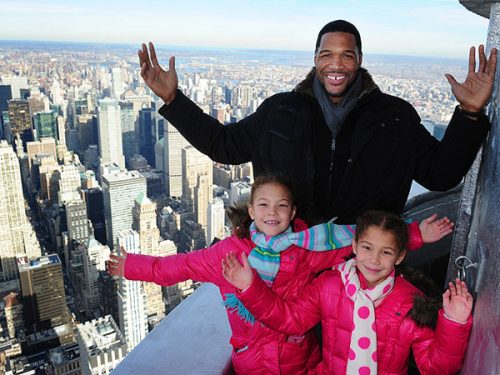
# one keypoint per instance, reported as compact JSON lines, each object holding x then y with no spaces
{"x":426,"y":305}
{"x":306,"y":86}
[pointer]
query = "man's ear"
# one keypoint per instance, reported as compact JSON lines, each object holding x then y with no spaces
{"x":250,"y":212}
{"x":401,"y":256}
{"x":360,"y":58}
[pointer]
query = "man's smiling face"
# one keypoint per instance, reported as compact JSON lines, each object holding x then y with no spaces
{"x":337,"y":61}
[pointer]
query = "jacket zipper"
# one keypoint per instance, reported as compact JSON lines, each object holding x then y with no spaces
{"x":330,"y":175}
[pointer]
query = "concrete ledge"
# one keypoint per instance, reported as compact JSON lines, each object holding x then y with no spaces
{"x":192,"y":339}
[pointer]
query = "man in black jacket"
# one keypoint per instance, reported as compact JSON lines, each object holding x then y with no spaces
{"x":347,"y":146}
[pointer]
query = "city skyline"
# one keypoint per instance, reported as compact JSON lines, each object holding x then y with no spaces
{"x":392,"y":27}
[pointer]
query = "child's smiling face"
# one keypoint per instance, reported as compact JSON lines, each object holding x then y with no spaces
{"x":376,"y":254}
{"x":272,"y":209}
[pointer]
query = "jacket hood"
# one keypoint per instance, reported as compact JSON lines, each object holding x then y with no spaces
{"x":306,"y":86}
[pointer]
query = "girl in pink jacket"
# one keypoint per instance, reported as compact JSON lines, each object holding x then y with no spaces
{"x":371,"y":317}
{"x":280,"y":257}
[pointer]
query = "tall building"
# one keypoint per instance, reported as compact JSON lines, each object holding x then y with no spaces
{"x":147,"y":134}
{"x":20,"y":119}
{"x":174,"y":143}
{"x":120,"y":190}
{"x":94,"y":257}
{"x":216,"y":216}
{"x":159,"y":153}
{"x":128,"y":120}
{"x":78,"y":226}
{"x":17,"y":237}
{"x":5,"y":96}
{"x":42,"y":288}
{"x":45,"y":175}
{"x":69,"y":178}
{"x":42,"y":146}
{"x":197,"y":173}
{"x":45,"y":125}
{"x":131,"y":297}
{"x":101,"y":345}
{"x":94,"y":199}
{"x":240,"y":192}
{"x":116,"y":82}
{"x":110,"y":132}
{"x":16,"y":83}
{"x":144,"y":223}
{"x":87,"y":130}
{"x":13,"y":314}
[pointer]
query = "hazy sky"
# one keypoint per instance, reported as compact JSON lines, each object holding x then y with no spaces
{"x":420,"y":28}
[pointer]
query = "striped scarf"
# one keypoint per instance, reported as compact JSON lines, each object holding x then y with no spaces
{"x":363,"y":347}
{"x":266,"y":255}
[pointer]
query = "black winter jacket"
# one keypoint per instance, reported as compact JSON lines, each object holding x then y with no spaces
{"x":380,"y":149}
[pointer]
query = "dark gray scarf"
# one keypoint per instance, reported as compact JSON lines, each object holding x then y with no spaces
{"x":335,"y":114}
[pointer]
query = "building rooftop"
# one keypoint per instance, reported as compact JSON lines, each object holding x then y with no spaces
{"x":100,"y":334}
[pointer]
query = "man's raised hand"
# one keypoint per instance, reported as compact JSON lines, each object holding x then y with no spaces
{"x":162,"y":83}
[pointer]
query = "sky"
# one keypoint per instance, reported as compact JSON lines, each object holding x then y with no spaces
{"x":436,"y":28}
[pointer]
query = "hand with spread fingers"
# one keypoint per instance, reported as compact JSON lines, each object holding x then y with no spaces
{"x":237,"y":274}
{"x":473,"y":94}
{"x":164,"y":83}
{"x":433,"y":229}
{"x":457,"y":301}
{"x":116,"y":263}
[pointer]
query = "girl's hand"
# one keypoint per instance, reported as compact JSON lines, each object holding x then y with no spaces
{"x":116,"y":263}
{"x":237,"y":274}
{"x":457,"y":301}
{"x":433,"y":229}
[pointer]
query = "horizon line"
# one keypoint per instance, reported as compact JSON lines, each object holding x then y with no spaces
{"x":213,"y":48}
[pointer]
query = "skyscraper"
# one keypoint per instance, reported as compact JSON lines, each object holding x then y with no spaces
{"x":110,"y":132}
{"x":78,"y":226}
{"x":5,"y":96}
{"x":147,"y":137}
{"x":94,"y":257}
{"x":16,"y":83}
{"x":42,"y":287}
{"x":144,"y":222}
{"x":20,"y":119}
{"x":87,"y":130}
{"x":120,"y":190}
{"x":45,"y":125}
{"x":128,"y":119}
{"x":69,"y":178}
{"x":94,"y":199}
{"x":216,"y":215}
{"x":131,"y":296}
{"x":17,"y":237}
{"x":117,"y":82}
{"x":197,"y":173}
{"x":174,"y":143}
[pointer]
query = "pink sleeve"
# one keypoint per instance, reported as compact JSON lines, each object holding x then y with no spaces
{"x":415,"y":240}
{"x":293,"y":317}
{"x":441,"y":351}
{"x":199,"y":265}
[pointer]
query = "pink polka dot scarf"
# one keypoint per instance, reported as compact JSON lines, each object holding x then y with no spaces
{"x":363,"y":349}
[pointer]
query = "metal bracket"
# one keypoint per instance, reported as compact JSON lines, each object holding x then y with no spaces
{"x":463,"y":263}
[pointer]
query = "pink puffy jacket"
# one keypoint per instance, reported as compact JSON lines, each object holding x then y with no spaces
{"x":440,"y":351}
{"x":269,"y":352}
